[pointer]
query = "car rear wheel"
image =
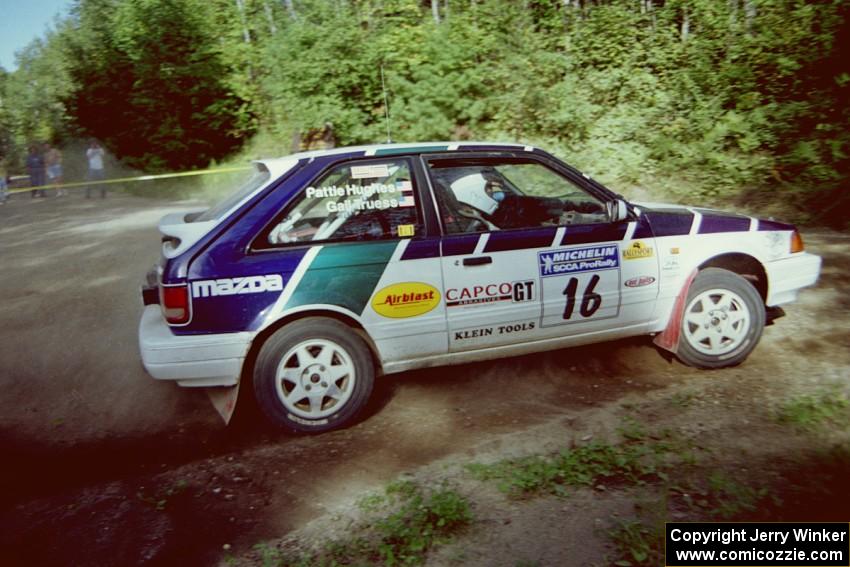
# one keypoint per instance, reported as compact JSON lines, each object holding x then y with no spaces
{"x":313,"y":375}
{"x":722,"y":321}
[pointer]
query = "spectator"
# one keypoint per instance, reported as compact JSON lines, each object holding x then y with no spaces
{"x":35,"y":168}
{"x":53,"y":160}
{"x":4,"y":186}
{"x":96,"y":172}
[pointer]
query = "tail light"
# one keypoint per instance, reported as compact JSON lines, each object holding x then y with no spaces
{"x":796,"y":242}
{"x":174,"y":300}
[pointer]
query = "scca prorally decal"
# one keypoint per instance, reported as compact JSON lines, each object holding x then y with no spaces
{"x":490,"y":293}
{"x":576,"y":260}
{"x":639,"y":281}
{"x":237,"y":286}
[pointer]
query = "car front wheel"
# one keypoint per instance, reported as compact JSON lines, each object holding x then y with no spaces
{"x":722,"y":321}
{"x":313,"y":375}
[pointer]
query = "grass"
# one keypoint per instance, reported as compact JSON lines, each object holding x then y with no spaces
{"x":682,"y":399}
{"x":811,"y":412}
{"x":404,"y":523}
{"x":638,"y":459}
{"x":637,"y":544}
{"x":640,"y":542}
{"x":159,"y":500}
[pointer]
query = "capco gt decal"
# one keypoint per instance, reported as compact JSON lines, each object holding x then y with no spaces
{"x":237,"y":286}
{"x":408,"y":299}
{"x":490,"y":293}
{"x":638,"y":250}
{"x":577,"y":260}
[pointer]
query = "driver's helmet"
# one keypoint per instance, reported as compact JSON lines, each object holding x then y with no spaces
{"x":471,"y":190}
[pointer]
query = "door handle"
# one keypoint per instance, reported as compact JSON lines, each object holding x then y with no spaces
{"x":477,"y":261}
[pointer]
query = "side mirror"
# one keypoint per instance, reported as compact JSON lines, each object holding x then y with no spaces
{"x":617,"y":210}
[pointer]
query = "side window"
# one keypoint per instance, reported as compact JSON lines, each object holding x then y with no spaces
{"x":374,"y":200}
{"x":492,"y":194}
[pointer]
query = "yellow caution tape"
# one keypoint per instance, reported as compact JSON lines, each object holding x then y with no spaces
{"x":126,"y":179}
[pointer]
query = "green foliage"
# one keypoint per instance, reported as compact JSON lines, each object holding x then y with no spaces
{"x":730,"y":498}
{"x":813,"y":412}
{"x":405,"y":522}
{"x":637,"y":544}
{"x":631,"y":462}
{"x":715,"y":97}
{"x":717,"y":497}
{"x":147,"y":79}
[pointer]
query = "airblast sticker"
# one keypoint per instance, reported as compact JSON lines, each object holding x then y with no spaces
{"x":402,"y":300}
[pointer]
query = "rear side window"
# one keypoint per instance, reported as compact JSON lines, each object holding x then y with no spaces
{"x":374,"y":200}
{"x":246,"y":184}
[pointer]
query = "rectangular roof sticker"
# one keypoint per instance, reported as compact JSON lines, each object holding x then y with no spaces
{"x":370,"y":171}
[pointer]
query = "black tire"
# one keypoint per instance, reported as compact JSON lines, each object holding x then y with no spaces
{"x":722,"y":321}
{"x":329,"y":375}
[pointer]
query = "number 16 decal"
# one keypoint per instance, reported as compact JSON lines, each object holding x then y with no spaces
{"x":590,"y":300}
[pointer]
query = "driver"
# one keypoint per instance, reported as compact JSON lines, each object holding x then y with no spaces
{"x":474,"y":190}
{"x":501,"y":206}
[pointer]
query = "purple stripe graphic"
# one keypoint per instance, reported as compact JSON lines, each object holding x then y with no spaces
{"x":670,"y":224}
{"x":712,"y":224}
{"x":458,"y":245}
{"x":774,"y":225}
{"x":520,"y":239}
{"x":593,"y":233}
{"x":420,"y":249}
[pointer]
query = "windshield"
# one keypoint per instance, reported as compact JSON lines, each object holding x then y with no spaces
{"x":255,"y":179}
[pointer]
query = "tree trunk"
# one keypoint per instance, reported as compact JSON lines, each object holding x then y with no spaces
{"x":290,"y":9}
{"x":686,"y":26}
{"x":733,"y":14}
{"x":750,"y":12}
{"x":240,"y":7}
{"x":435,"y":10}
{"x":270,"y":16}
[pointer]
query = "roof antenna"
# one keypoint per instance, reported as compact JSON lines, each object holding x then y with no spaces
{"x":386,"y":105}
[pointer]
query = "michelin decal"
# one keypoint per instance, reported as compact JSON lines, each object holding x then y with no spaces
{"x":577,"y":260}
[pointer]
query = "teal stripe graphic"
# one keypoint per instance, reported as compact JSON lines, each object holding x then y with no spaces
{"x":343,"y":275}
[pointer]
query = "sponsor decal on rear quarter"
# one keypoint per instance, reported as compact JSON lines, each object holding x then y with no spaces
{"x":408,"y":299}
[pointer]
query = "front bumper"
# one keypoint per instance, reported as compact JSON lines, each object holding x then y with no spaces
{"x":787,"y":276}
{"x":191,"y":360}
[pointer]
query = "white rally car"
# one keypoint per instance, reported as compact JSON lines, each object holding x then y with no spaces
{"x":327,"y":268}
